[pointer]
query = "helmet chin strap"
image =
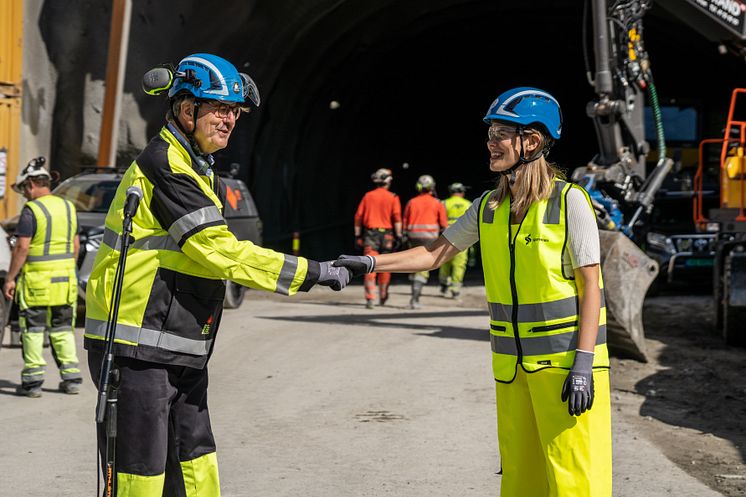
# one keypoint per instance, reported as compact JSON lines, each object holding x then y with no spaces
{"x":190,"y":134}
{"x":521,"y":160}
{"x":204,"y":161}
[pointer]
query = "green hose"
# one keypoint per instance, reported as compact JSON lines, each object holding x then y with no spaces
{"x":658,"y":120}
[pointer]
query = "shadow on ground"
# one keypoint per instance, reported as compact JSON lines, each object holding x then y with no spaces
{"x":388,"y":320}
{"x":700,"y":383}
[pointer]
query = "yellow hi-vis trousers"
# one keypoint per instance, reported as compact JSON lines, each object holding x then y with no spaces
{"x":545,"y":452}
{"x":452,"y":272}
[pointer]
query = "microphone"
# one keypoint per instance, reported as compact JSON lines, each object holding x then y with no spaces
{"x":134,"y":194}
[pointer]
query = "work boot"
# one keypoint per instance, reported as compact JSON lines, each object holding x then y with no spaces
{"x":414,"y":302}
{"x":70,"y":387}
{"x":444,"y":290}
{"x":383,"y":299}
{"x":34,"y":392}
{"x":369,"y":304}
{"x":455,"y":295}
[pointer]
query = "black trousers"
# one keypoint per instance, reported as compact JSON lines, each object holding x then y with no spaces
{"x":162,"y":420}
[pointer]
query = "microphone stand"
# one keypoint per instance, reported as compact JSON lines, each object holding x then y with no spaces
{"x":106,"y":408}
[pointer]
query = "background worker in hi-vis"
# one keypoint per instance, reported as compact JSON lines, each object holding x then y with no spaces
{"x":424,"y":220}
{"x":378,"y":231}
{"x":46,"y":249}
{"x":451,"y":274}
{"x":173,"y":286}
{"x":540,"y":255}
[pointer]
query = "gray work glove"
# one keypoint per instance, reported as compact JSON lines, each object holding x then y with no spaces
{"x":578,"y":387}
{"x":334,"y":277}
{"x":357,"y":264}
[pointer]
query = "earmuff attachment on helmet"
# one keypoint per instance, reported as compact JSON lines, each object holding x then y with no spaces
{"x":206,"y":77}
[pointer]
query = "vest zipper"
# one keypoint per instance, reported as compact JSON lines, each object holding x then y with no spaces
{"x":514,"y":292}
{"x":553,"y":327}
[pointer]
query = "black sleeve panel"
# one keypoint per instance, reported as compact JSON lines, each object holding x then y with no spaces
{"x":221,"y":191}
{"x":26,"y":223}
{"x":312,"y":276}
{"x":174,"y":194}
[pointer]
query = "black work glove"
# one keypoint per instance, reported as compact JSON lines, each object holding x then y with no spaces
{"x":397,"y":244}
{"x":334,"y":277}
{"x":357,"y":264}
{"x":578,"y":387}
{"x":359,"y":243}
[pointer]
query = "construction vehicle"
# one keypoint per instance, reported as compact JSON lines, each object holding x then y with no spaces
{"x":616,"y":178}
{"x":728,"y":221}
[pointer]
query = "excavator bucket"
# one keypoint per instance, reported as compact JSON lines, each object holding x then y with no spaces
{"x":628,"y":273}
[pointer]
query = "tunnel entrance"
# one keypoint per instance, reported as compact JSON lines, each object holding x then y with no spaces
{"x":412,"y":86}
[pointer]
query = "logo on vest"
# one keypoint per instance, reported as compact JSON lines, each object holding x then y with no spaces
{"x":206,"y":327}
{"x":529,"y":239}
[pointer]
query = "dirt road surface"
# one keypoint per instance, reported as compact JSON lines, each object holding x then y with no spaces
{"x":315,"y":396}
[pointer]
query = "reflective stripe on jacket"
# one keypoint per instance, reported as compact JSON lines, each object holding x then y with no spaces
{"x":527,"y":290}
{"x":455,"y":208}
{"x":424,"y":217}
{"x":48,"y":275}
{"x":173,"y":287}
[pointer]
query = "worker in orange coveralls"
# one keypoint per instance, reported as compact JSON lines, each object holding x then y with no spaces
{"x":424,"y":218}
{"x":378,"y":230}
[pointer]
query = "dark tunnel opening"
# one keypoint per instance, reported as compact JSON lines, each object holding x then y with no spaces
{"x":413,"y":87}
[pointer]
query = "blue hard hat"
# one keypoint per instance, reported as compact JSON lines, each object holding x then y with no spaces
{"x":527,"y":106}
{"x":210,"y":77}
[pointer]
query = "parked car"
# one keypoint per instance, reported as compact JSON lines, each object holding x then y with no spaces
{"x":92,"y":194}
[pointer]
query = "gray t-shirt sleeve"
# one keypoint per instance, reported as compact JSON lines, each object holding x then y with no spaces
{"x":584,"y":247}
{"x":465,"y":231}
{"x":26,"y":223}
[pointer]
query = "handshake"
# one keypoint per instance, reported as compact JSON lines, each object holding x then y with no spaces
{"x":337,"y":274}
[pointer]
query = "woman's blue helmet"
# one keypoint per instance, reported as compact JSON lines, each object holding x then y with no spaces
{"x":526,"y":106}
{"x":210,"y":77}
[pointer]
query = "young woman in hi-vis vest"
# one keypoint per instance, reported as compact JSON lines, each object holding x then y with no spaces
{"x":540,"y":256}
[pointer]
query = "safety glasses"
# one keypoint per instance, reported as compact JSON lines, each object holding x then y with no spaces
{"x":222,"y":109}
{"x":501,"y":133}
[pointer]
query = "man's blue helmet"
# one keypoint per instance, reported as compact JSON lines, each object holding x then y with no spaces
{"x":527,"y":106}
{"x":210,"y":77}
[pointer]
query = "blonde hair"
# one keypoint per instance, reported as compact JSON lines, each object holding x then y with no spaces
{"x":534,"y":181}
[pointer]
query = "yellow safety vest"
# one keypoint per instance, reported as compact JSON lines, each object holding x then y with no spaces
{"x":455,"y":208}
{"x":174,"y":276}
{"x":533,"y":305}
{"x":48,"y":277}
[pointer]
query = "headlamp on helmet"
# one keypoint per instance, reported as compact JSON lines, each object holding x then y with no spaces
{"x":34,"y":169}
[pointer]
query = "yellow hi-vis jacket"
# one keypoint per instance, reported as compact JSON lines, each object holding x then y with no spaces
{"x":48,"y":276}
{"x":455,"y":208}
{"x":533,"y":304}
{"x":173,"y":287}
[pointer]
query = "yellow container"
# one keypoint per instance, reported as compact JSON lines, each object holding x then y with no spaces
{"x":11,"y":57}
{"x":734,"y":179}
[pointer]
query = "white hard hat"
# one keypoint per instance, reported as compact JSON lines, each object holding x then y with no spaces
{"x":382,"y":176}
{"x":34,"y":169}
{"x":425,"y":183}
